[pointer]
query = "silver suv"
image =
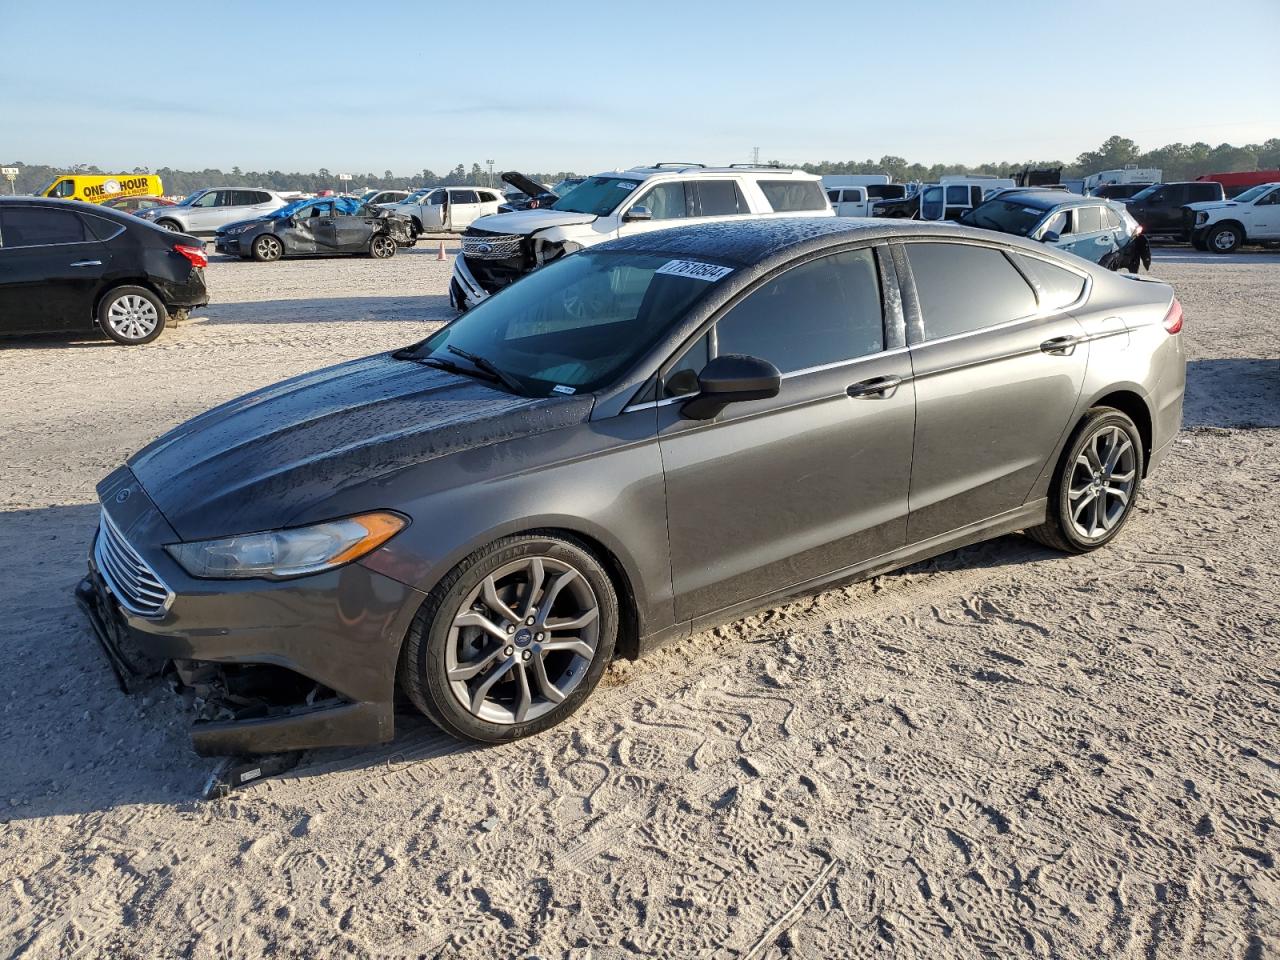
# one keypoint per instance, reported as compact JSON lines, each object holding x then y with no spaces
{"x":206,"y":210}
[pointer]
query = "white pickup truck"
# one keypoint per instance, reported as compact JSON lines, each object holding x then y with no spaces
{"x":1223,"y":226}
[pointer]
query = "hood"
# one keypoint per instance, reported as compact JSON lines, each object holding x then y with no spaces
{"x":228,"y":227}
{"x":1210,"y":205}
{"x":529,"y":221}
{"x":259,"y":461}
{"x":526,"y":186}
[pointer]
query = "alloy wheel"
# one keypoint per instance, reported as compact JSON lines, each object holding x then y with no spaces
{"x":132,"y":317}
{"x":268,"y":248}
{"x":1224,"y":240}
{"x":1103,"y":479}
{"x":522,"y":641}
{"x":383,"y":247}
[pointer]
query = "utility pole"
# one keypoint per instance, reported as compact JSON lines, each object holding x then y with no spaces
{"x":491,"y":181}
{"x":755,"y":156}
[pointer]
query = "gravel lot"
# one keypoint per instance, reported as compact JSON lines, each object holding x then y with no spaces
{"x":999,"y":752}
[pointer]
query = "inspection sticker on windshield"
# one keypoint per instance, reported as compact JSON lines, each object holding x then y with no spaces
{"x":561,"y":388}
{"x":710,"y":272}
{"x":627,"y":184}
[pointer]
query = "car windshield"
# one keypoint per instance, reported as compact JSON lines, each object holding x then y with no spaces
{"x":417,"y":195}
{"x":578,"y":324}
{"x":1007,"y":216}
{"x":1253,"y":193}
{"x":598,"y":196}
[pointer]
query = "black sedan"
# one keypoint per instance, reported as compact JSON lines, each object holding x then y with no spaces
{"x":74,"y":267}
{"x":320,"y":225}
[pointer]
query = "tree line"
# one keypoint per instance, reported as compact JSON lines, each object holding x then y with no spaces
{"x":1179,"y":161}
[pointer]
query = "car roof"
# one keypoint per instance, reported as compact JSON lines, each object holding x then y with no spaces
{"x":80,"y":205}
{"x":1050,"y":199}
{"x":698,"y":170}
{"x":748,"y":243}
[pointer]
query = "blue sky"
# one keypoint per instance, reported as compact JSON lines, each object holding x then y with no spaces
{"x":586,"y":86}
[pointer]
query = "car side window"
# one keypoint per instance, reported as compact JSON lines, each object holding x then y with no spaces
{"x":1088,"y":219}
{"x":1270,"y":199}
{"x":962,"y":288}
{"x":665,"y":201}
{"x":1110,"y":218}
{"x":436,"y":198}
{"x":66,"y":188}
{"x":1055,"y":286}
{"x":206,"y":199}
{"x":40,"y":226}
{"x":787,"y":196}
{"x":825,"y":311}
{"x":719,"y":198}
{"x":465,"y":196}
{"x":682,"y":379}
{"x":957,"y":195}
{"x":1059,"y":223}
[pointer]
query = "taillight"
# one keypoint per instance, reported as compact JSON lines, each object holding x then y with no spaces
{"x":196,"y":255}
{"x":1173,"y":319}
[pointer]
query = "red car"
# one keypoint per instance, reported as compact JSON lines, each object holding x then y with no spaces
{"x":134,"y":204}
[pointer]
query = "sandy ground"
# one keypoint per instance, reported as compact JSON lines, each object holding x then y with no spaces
{"x":999,"y":752}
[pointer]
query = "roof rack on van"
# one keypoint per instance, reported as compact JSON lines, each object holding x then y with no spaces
{"x":771,"y":165}
{"x":676,"y":163}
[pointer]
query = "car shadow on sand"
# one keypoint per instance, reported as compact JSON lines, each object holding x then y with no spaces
{"x":1238,"y":393}
{"x":364,"y":309}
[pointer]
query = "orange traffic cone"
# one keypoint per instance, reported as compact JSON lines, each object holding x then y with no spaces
{"x":440,"y":255}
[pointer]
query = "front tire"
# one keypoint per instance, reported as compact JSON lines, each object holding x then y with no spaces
{"x":513,"y":639}
{"x":1095,"y":485}
{"x":267,"y":248}
{"x":382,"y":246}
{"x":131,"y":316}
{"x":1225,"y":239}
{"x":1197,"y":241}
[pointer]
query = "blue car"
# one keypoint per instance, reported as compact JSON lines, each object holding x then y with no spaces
{"x":1098,"y":230}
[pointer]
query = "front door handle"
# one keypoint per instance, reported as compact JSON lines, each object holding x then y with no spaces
{"x":880,"y":387}
{"x":87,"y":263}
{"x":1063,"y":346}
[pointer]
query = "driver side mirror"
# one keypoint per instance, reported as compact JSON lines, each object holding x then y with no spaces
{"x":1050,"y":237}
{"x":728,"y":379}
{"x":637,"y":213}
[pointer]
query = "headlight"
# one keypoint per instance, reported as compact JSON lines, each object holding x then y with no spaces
{"x":279,"y":554}
{"x":544,"y":251}
{"x":235,"y":231}
{"x":1202,"y":216}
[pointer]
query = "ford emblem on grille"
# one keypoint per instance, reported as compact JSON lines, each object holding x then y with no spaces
{"x":123,"y":495}
{"x":484,"y":248}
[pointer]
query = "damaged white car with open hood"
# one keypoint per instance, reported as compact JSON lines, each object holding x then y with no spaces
{"x":498,"y":250}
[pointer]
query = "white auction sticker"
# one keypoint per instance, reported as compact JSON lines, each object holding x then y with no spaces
{"x":711,"y":272}
{"x":561,"y":388}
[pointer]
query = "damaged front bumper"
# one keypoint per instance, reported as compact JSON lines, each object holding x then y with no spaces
{"x":266,"y":666}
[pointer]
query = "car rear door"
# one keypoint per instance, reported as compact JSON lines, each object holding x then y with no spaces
{"x":778,"y":492}
{"x":464,"y":209}
{"x":997,"y":373}
{"x":51,"y":268}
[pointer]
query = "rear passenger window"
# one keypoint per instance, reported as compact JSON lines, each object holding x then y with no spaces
{"x":719,"y":198}
{"x":788,"y":196}
{"x":464,"y":196}
{"x":957,"y":196}
{"x":100,"y":227}
{"x":1088,"y":219}
{"x":820,"y":312}
{"x":1110,"y":219}
{"x":666,"y":201}
{"x":38,"y":226}
{"x":962,"y":288}
{"x":1056,"y":286}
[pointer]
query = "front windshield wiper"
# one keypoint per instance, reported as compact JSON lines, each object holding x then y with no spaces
{"x":487,"y":366}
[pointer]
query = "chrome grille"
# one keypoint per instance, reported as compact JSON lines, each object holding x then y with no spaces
{"x":495,"y":247}
{"x":134,"y":584}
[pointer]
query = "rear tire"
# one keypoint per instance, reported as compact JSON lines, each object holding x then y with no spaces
{"x":171,"y":225}
{"x":131,"y":316}
{"x":1095,"y":484}
{"x":1225,"y":238}
{"x":486,"y":680}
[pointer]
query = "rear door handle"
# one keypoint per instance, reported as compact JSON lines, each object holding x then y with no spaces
{"x":880,"y":387}
{"x":87,"y":263}
{"x":1064,"y":346}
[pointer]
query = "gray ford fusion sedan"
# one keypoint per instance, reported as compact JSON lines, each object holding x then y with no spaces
{"x":627,"y":446}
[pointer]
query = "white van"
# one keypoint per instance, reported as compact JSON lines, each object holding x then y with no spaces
{"x":447,"y":209}
{"x":499,"y":250}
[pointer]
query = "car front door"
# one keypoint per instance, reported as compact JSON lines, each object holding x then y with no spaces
{"x":998,"y":369}
{"x":434,"y":210}
{"x":355,"y":224}
{"x":324,"y":226}
{"x":668,"y":203}
{"x":779,"y":492}
{"x":51,"y":267}
{"x":1266,"y":217}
